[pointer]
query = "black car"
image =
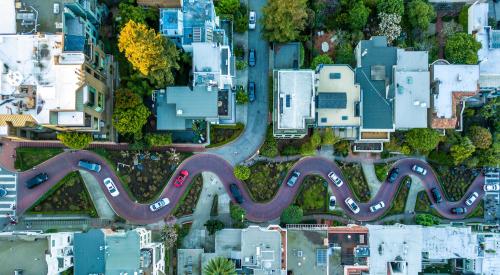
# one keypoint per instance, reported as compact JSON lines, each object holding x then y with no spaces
{"x":393,"y":175}
{"x":251,"y":58}
{"x":251,"y":91}
{"x":235,"y":191}
{"x":436,"y":195}
{"x":37,"y":180}
{"x":459,"y":210}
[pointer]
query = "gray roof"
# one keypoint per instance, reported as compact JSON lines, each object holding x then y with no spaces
{"x":123,"y":253}
{"x":179,"y":105}
{"x":89,"y":252}
{"x":377,"y":109}
{"x":331,"y":100}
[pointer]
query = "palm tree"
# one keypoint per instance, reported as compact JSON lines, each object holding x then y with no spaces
{"x":219,"y":266}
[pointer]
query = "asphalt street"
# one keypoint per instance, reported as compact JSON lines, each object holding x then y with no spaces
{"x":124,"y":206}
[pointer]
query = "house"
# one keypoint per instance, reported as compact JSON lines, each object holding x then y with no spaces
{"x":294,"y":103}
{"x":212,"y":65}
{"x":55,"y":75}
{"x":102,"y":251}
{"x":36,"y":253}
{"x":412,"y":89}
{"x":338,"y":100}
{"x":374,"y":74}
{"x":254,"y":250}
{"x":451,"y":85}
{"x":489,"y":54}
{"x":193,"y":22}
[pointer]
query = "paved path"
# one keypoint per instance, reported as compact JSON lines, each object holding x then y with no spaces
{"x":98,"y":197}
{"x":371,"y":177}
{"x":64,"y":163}
{"x":411,"y":200}
{"x":253,"y":136}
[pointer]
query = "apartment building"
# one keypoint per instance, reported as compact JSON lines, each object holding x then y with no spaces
{"x":55,"y":76}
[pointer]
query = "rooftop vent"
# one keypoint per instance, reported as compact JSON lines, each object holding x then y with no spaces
{"x":179,"y":112}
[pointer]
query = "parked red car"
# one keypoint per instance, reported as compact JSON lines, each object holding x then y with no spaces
{"x":181,"y":178}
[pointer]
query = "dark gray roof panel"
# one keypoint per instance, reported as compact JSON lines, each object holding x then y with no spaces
{"x":89,"y":252}
{"x":331,"y":100}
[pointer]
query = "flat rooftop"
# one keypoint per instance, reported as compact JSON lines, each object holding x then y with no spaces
{"x":296,"y":98}
{"x":27,"y":254}
{"x":261,"y":249}
{"x":449,"y":242}
{"x":38,"y":16}
{"x":8,"y":15}
{"x":450,"y":79}
{"x":302,"y":251}
{"x":338,"y":79}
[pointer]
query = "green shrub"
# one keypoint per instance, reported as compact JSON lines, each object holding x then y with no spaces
{"x":270,"y":147}
{"x":241,"y":172}
{"x":241,"y":65}
{"x":75,"y":140}
{"x":158,"y":139}
{"x":426,"y":220}
{"x":292,"y":214}
{"x":237,"y":212}
{"x":307,"y":149}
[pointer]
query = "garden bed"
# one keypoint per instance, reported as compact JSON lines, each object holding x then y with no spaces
{"x":313,"y":195}
{"x":454,"y":180}
{"x":189,"y":199}
{"x":265,"y":179}
{"x":381,"y":170}
{"x":398,"y":204}
{"x":290,"y":147}
{"x":353,"y":174}
{"x":223,"y":134}
{"x":68,"y":196}
{"x":144,"y":174}
{"x":423,"y":204}
{"x":28,"y":157}
{"x":477,"y":212}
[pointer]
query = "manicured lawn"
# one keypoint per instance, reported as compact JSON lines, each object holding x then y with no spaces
{"x":265,"y":179}
{"x":313,"y":195}
{"x":223,"y":134}
{"x":188,"y":202}
{"x":353,"y":174}
{"x":143,"y":173}
{"x":69,"y":196}
{"x":27,"y":157}
{"x":381,"y":170}
{"x":399,"y":202}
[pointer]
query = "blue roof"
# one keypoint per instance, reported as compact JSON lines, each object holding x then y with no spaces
{"x":89,"y":252}
{"x":169,"y":19}
{"x":74,"y":43}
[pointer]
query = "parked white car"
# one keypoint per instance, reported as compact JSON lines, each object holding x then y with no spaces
{"x":352,"y":205}
{"x":491,"y":187}
{"x":110,"y":185}
{"x":335,"y":179}
{"x":252,"y":20}
{"x":159,"y":204}
{"x":471,"y":199}
{"x":377,"y":206}
{"x":418,"y":169}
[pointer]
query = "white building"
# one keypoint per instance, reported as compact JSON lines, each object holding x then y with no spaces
{"x":212,"y":65}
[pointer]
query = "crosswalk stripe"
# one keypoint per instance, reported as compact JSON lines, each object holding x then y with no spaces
{"x":7,"y":177}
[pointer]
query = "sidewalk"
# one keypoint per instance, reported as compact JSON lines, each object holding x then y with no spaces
{"x":411,"y":200}
{"x":371,"y":177}
{"x":101,"y":204}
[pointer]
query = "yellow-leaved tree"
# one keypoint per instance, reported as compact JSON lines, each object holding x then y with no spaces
{"x":150,"y":53}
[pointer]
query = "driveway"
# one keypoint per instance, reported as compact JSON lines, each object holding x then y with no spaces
{"x":125,"y":207}
{"x":255,"y":129}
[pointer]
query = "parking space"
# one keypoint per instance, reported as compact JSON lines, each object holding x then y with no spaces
{"x":8,"y":200}
{"x":492,"y":198}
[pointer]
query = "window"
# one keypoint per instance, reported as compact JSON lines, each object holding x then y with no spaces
{"x":345,"y":117}
{"x":53,"y":243}
{"x":323,"y":120}
{"x":335,"y":75}
{"x":288,"y":99}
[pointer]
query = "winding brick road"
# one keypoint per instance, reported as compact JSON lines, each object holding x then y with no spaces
{"x":124,"y":206}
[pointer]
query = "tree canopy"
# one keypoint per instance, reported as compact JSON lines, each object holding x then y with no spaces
{"x":219,"y":266}
{"x":321,"y":59}
{"x":241,"y":172}
{"x":422,"y":139}
{"x":153,"y":139}
{"x":389,"y":26}
{"x":391,"y":6}
{"x":420,"y":14}
{"x":480,"y":137}
{"x":214,"y":226}
{"x":427,"y":220}
{"x":125,"y":98}
{"x":129,"y":116}
{"x":237,"y":212}
{"x":461,"y":48}
{"x":462,"y":150}
{"x":283,"y":20}
{"x":292,"y":214}
{"x":75,"y":140}
{"x":344,"y":53}
{"x":127,"y":12}
{"x":358,"y":15}
{"x":149,"y":53}
{"x":227,"y":6}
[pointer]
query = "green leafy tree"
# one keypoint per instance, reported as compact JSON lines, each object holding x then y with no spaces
{"x":344,"y":53}
{"x":169,"y":235}
{"x":149,"y":53}
{"x":241,"y":65}
{"x":358,"y":15}
{"x":321,"y":59}
{"x":480,"y":137}
{"x":314,"y":197}
{"x":125,"y":99}
{"x":242,"y":172}
{"x":316,"y":139}
{"x":462,"y":151}
{"x":75,"y":140}
{"x":131,"y":120}
{"x":490,"y":156}
{"x":391,"y":6}
{"x":420,"y":14}
{"x":329,"y":138}
{"x":219,"y":266}
{"x":270,"y":147}
{"x":490,"y":109}
{"x":307,"y":149}
{"x":463,"y":17}
{"x":426,"y":220}
{"x":283,"y":20}
{"x":241,"y":19}
{"x":237,"y":213}
{"x":226,"y":6}
{"x":292,"y":214}
{"x":461,"y":48}
{"x":422,"y":140}
{"x":214,"y":226}
{"x":158,"y":139}
{"x":127,"y":12}
{"x":241,"y":97}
